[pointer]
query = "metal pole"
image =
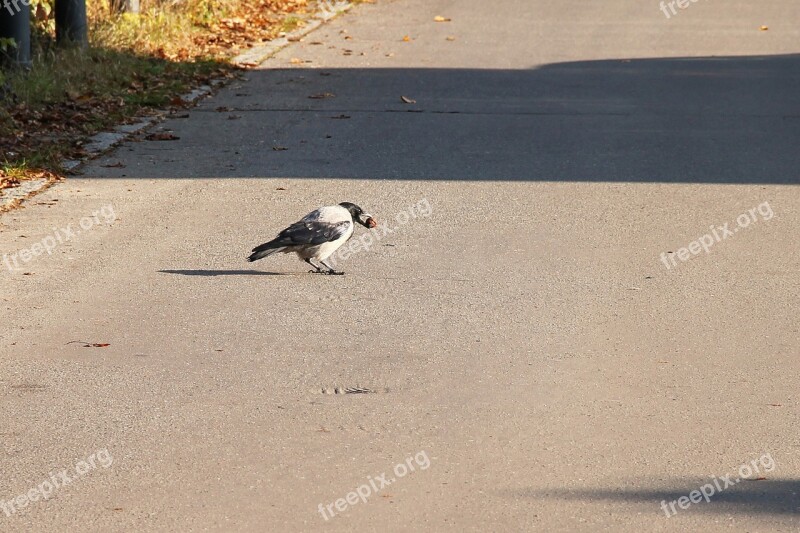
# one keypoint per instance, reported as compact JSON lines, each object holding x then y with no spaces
{"x":71,"y":27}
{"x":15,"y":23}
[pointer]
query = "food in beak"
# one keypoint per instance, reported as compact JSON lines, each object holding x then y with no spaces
{"x":372,"y":223}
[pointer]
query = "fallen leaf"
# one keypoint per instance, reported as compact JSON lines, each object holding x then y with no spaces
{"x":406,"y":39}
{"x":764,"y":28}
{"x":439,"y":18}
{"x":279,"y":148}
{"x":91,"y":344}
{"x":281,"y":189}
{"x":450,"y":38}
{"x":407,"y":100}
{"x":162,"y":136}
{"x":118,"y":164}
{"x":223,"y":109}
{"x":320,"y":96}
{"x":41,"y":13}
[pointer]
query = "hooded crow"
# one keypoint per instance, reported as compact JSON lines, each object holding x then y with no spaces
{"x":317,"y":235}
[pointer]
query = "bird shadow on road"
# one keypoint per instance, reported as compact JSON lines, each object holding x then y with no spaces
{"x":213,"y":273}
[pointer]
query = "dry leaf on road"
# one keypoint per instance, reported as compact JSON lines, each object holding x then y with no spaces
{"x":162,"y":136}
{"x":91,"y":344}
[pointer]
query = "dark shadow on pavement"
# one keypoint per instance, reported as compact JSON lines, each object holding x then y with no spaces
{"x":778,"y":497}
{"x":211,"y":273}
{"x":673,"y":120}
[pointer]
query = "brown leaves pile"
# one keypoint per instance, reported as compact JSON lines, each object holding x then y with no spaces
{"x":9,"y":182}
{"x":252,"y":22}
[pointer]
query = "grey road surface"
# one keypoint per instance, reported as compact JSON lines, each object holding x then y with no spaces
{"x":580,"y":315}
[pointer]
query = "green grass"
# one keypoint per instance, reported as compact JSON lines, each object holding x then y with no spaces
{"x":82,"y":92}
{"x":291,"y":23}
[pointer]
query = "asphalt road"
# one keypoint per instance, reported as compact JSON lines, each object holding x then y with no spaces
{"x":585,"y":314}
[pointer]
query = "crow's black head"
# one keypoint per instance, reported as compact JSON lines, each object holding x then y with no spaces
{"x":358,"y":214}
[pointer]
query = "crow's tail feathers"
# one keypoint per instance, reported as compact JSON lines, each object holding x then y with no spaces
{"x":266,"y":249}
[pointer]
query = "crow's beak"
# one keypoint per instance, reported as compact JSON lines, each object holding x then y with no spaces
{"x":367,"y":221}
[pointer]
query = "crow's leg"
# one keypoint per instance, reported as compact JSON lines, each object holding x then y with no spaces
{"x":317,"y":270}
{"x":330,"y":269}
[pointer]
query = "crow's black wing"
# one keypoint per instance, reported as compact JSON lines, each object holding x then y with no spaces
{"x":312,"y":232}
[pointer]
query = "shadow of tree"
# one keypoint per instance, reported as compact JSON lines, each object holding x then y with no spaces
{"x":671,"y":120}
{"x":779,"y":496}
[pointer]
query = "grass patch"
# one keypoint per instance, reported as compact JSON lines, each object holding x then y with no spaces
{"x":70,"y":94}
{"x":291,"y":24}
{"x":136,"y":63}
